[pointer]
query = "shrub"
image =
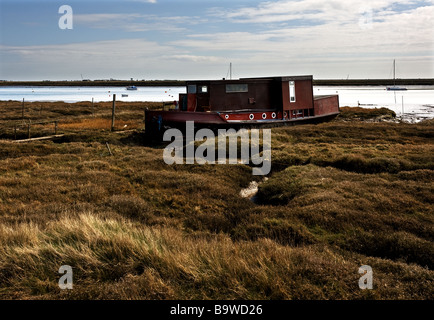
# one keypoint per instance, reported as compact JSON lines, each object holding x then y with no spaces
{"x":359,"y":164}
{"x":280,"y":230}
{"x":365,"y":113}
{"x":280,"y":189}
{"x":400,"y":246}
{"x":131,"y":207}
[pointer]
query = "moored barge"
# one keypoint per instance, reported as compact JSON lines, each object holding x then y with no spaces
{"x":246,"y":102}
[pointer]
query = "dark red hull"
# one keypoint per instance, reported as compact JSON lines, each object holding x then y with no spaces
{"x":325,"y":107}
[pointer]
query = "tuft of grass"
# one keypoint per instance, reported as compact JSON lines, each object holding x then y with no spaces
{"x":281,"y":189}
{"x":365,"y":113}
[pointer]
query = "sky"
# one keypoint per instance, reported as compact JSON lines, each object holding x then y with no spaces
{"x":198,"y":39}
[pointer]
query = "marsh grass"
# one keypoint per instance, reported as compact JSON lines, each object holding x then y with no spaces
{"x":340,"y":195}
{"x":366,"y":114}
{"x":71,"y":117}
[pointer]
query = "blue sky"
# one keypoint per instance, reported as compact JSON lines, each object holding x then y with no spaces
{"x":197,"y":39}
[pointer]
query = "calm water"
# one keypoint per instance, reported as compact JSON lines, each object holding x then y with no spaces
{"x":75,"y":94}
{"x":416,"y":104}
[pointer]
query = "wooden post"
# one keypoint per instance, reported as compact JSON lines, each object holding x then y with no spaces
{"x":403,"y":107}
{"x":113,"y":112}
{"x":55,"y":127}
{"x":108,"y":147}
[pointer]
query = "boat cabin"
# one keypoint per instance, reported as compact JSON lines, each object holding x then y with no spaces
{"x":293,"y":96}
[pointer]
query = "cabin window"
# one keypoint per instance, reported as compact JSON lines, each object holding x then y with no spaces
{"x":291,"y":91}
{"x":231,"y":88}
{"x":203,"y":89}
{"x":191,"y":88}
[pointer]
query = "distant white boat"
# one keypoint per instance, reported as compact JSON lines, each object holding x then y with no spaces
{"x":131,"y":88}
{"x":394,"y":87}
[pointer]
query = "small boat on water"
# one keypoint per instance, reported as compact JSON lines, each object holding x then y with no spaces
{"x":246,"y":102}
{"x":394,"y":87}
{"x":131,"y":88}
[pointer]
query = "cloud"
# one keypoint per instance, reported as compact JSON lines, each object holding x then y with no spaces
{"x":194,"y":58}
{"x":96,"y":59}
{"x":137,"y":58}
{"x":324,"y":38}
{"x":341,"y":36}
{"x":104,"y":18}
{"x":388,"y":32}
{"x":134,"y":22}
{"x":313,"y":10}
{"x":136,"y":48}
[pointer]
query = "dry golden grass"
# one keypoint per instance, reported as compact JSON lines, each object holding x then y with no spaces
{"x":340,"y":195}
{"x":364,"y":114}
{"x":101,"y":124}
{"x":117,"y":259}
{"x":71,"y":117}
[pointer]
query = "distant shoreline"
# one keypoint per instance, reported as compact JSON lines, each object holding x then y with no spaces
{"x":95,"y":83}
{"x":181,"y":83}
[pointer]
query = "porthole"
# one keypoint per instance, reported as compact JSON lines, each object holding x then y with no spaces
{"x":251,"y":116}
{"x":264,"y":116}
